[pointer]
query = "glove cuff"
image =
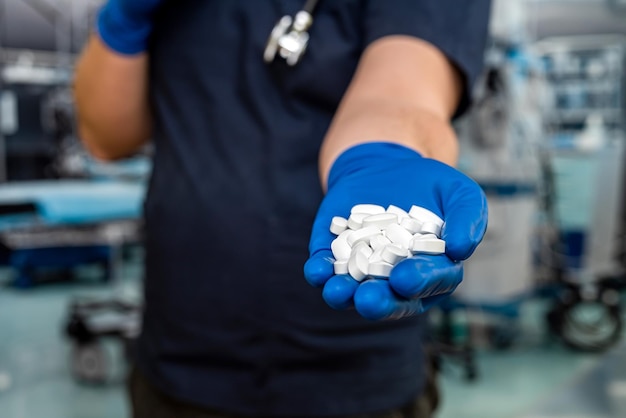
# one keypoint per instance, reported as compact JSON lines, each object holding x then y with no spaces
{"x":366,"y":154}
{"x":120,"y":33}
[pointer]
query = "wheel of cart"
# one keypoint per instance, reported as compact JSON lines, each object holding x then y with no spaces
{"x":89,"y":363}
{"x":583,"y":169}
{"x":583,"y":252}
{"x":589,"y":318}
{"x":90,"y":322}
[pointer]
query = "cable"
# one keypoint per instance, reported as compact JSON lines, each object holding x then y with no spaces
{"x":310,"y":6}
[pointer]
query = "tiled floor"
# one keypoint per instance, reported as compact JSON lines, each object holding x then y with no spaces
{"x":537,"y":379}
{"x":36,"y":355}
{"x":514,"y":384}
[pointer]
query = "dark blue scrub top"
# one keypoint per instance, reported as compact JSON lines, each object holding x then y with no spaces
{"x":230,"y":323}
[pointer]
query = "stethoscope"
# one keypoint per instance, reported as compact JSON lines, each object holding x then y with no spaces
{"x":289,"y":38}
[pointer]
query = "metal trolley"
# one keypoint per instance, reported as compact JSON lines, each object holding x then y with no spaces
{"x":584,"y":171}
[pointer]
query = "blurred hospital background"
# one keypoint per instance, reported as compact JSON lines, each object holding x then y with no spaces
{"x":535,"y":331}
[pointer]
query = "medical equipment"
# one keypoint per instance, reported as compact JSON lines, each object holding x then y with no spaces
{"x":64,"y":223}
{"x":555,"y":234}
{"x":91,"y":320}
{"x":587,"y":169}
{"x":289,"y":38}
{"x":61,"y":224}
{"x":499,"y":138}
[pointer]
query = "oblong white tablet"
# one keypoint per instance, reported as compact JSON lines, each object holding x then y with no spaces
{"x":425,"y":215}
{"x":363,"y":235}
{"x":362,"y":247}
{"x":357,"y":266}
{"x":355,"y":221}
{"x":341,"y":266}
{"x":411,"y":224}
{"x":425,"y":236}
{"x":401,"y":213}
{"x":340,"y":248}
{"x":380,"y":220}
{"x":378,"y":241}
{"x":377,"y":255}
{"x":379,"y":269}
{"x":338,"y":224}
{"x":394,"y":253}
{"x":430,"y":228}
{"x":428,"y":246}
{"x":398,"y":235}
{"x":367,"y":208}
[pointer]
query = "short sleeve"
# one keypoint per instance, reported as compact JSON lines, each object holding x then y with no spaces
{"x":458,"y":28}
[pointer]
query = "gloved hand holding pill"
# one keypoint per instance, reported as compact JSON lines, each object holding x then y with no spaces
{"x":379,"y":184}
{"x":125,"y":25}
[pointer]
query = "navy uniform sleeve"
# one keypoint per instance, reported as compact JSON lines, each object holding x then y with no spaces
{"x":456,"y":27}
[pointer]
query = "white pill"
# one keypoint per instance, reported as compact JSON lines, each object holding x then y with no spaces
{"x":398,"y":235}
{"x":338,"y":225}
{"x":355,"y":221}
{"x":412,"y":225}
{"x":379,"y":241}
{"x":425,"y":236}
{"x":362,"y":247}
{"x":379,"y":269}
{"x":357,"y":266}
{"x":428,"y":246}
{"x":367,"y":208}
{"x":341,"y":266}
{"x":394,"y":253}
{"x":363,"y":234}
{"x":345,"y":234}
{"x":425,"y":215}
{"x":377,"y":255}
{"x":430,"y":228}
{"x":401,"y":213}
{"x":380,"y":220}
{"x":340,"y":248}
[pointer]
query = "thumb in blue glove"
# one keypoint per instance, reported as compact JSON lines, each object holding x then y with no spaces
{"x":125,"y":25}
{"x":386,"y":174}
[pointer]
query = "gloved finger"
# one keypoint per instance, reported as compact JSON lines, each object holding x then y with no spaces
{"x":374,"y":299}
{"x":466,"y":223}
{"x":422,"y":276}
{"x":429,"y":302}
{"x":319,"y":268}
{"x":321,"y":237}
{"x":339,"y":291}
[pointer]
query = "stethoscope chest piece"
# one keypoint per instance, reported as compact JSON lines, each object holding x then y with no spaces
{"x":289,"y":38}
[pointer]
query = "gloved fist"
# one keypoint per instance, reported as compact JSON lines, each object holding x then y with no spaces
{"x":389,"y":174}
{"x":125,"y":25}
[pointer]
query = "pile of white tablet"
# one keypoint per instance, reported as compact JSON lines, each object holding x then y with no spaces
{"x":374,"y":239}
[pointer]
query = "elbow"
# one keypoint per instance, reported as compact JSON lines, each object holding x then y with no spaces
{"x":104,"y":155}
{"x":109,"y":146}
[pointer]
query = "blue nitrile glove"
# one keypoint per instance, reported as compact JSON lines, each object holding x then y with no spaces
{"x":125,"y":25}
{"x":383,"y":174}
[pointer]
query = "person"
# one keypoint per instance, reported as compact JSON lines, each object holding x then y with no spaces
{"x":243,"y":315}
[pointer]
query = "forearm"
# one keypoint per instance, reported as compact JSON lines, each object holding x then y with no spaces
{"x":111,"y":96}
{"x":417,"y":128}
{"x":405,"y":91}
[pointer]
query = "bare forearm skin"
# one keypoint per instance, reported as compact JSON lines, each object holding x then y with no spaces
{"x":111,"y":96}
{"x":404,"y":91}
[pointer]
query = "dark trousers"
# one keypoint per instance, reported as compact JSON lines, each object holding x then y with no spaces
{"x":149,"y":402}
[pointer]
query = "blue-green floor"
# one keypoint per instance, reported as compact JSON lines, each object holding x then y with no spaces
{"x":538,"y":378}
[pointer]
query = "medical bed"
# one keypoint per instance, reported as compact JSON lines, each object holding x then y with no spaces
{"x":62,"y":224}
